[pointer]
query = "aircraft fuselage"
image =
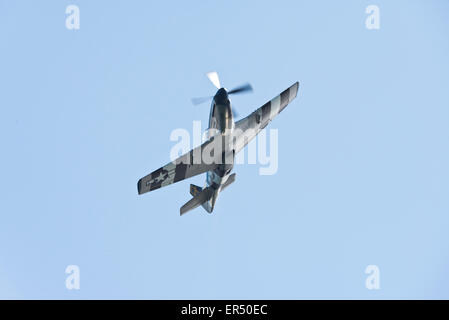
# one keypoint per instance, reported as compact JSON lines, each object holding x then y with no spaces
{"x":221,"y":121}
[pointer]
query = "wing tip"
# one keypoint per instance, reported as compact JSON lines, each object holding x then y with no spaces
{"x":295,"y":87}
{"x":139,"y":186}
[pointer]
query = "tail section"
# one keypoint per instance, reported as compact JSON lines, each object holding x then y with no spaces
{"x":205,"y":197}
{"x":200,"y":196}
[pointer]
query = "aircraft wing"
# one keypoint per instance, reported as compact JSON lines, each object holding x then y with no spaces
{"x":247,"y":128}
{"x":188,"y":165}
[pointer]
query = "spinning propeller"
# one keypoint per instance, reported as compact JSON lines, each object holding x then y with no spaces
{"x":213,"y":77}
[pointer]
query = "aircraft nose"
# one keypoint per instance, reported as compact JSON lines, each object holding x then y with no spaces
{"x":221,"y":97}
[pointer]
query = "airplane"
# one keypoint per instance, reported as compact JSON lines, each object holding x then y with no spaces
{"x":215,"y":156}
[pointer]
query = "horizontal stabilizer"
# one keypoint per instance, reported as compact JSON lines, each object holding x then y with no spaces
{"x":230,"y":180}
{"x":197,"y":200}
{"x":195,"y":190}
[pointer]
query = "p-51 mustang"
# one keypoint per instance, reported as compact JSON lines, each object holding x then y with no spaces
{"x":216,"y":155}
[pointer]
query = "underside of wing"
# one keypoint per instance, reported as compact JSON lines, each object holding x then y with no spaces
{"x":247,"y":128}
{"x":197,"y":161}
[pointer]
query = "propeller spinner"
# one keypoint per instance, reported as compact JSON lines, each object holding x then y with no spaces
{"x":213,"y":77}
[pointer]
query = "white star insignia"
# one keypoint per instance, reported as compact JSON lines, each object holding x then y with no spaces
{"x":160,"y":177}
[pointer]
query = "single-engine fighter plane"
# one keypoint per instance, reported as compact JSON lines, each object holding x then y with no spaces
{"x":215,"y":157}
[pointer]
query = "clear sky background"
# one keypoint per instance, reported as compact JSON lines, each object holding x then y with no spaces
{"x":363,"y":151}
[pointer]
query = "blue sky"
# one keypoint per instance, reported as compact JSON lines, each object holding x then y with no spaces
{"x":363,"y":151}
